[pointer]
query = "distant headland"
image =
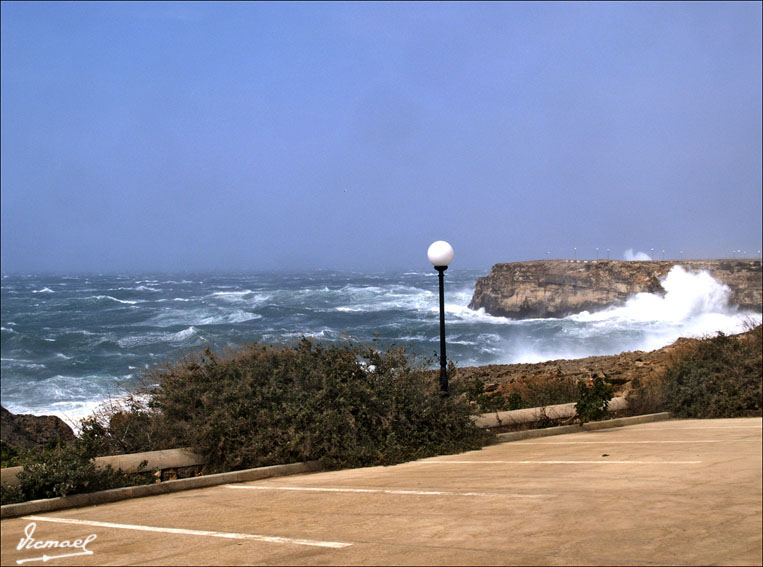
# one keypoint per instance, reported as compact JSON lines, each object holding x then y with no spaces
{"x":557,"y":288}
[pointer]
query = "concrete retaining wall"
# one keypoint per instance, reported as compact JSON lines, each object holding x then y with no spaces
{"x":104,"y":496}
{"x":155,"y":460}
{"x":590,"y":426}
{"x":531,"y":415}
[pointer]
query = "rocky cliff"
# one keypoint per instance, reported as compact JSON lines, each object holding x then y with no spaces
{"x":557,"y":288}
{"x":33,"y":431}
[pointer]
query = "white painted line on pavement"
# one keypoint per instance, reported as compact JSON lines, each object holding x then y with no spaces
{"x":180,"y":531}
{"x":603,"y":462}
{"x":383,"y":491}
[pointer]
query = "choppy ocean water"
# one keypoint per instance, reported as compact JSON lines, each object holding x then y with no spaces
{"x":71,"y":341}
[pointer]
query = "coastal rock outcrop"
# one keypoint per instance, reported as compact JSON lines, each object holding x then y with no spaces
{"x":33,"y":431}
{"x":557,"y":288}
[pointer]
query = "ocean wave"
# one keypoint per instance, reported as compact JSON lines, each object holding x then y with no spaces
{"x":694,"y":305}
{"x":466,"y":315}
{"x":138,"y":288}
{"x":109,"y":297}
{"x":153,"y":337}
{"x":236,"y":317}
{"x":21,"y":363}
{"x":43,"y":290}
{"x":232,"y":294}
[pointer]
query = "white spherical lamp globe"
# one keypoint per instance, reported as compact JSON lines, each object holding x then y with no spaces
{"x":440,"y":253}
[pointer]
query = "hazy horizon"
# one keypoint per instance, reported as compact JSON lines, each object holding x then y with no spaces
{"x":237,"y":137}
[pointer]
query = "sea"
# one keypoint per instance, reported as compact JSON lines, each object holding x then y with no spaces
{"x":71,"y":341}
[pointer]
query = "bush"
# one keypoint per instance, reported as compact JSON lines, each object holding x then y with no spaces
{"x":647,"y":397}
{"x":480,"y":401}
{"x":9,"y":456}
{"x":548,"y":391}
{"x":60,"y":471}
{"x":593,"y":400}
{"x":722,"y":377}
{"x":341,"y":405}
{"x":124,"y":426}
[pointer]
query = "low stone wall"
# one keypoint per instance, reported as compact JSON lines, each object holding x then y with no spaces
{"x":529,"y":416}
{"x":170,"y":464}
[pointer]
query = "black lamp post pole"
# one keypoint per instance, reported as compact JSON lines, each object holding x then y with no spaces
{"x":443,"y":363}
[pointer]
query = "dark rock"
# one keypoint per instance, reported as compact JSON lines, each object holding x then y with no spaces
{"x":33,"y":431}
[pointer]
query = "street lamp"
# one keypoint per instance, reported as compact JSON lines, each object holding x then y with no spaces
{"x":440,"y":253}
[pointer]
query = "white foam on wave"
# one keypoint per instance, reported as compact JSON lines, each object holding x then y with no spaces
{"x":185,"y":334}
{"x":125,"y":301}
{"x":232,"y":295}
{"x":694,"y":305}
{"x":687,"y":295}
{"x":21,"y":363}
{"x":235,"y":317}
{"x":43,"y":290}
{"x":152,"y":338}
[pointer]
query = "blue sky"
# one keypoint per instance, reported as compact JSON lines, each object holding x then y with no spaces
{"x":249,"y":136}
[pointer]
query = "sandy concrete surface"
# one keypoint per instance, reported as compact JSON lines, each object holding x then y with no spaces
{"x":685,"y":492}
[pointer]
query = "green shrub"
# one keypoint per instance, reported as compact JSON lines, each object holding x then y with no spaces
{"x":593,"y":400}
{"x":124,"y":426}
{"x":722,"y":377}
{"x":549,"y":391}
{"x":9,"y":456}
{"x":480,"y":401}
{"x":62,"y":470}
{"x":343,"y":405}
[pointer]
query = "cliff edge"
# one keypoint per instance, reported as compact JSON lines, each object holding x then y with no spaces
{"x":557,"y":288}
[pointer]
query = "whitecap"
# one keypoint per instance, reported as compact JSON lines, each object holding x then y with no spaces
{"x":22,"y":363}
{"x":125,"y":301}
{"x":233,"y":295}
{"x":235,"y":317}
{"x":183,"y":335}
{"x":43,"y":290}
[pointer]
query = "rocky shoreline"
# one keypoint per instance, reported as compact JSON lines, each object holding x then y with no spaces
{"x":22,"y":431}
{"x":626,"y":371}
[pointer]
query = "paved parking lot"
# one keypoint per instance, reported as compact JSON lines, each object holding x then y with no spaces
{"x":671,"y":492}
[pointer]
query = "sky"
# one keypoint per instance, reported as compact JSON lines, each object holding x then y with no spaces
{"x":265,"y":136}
